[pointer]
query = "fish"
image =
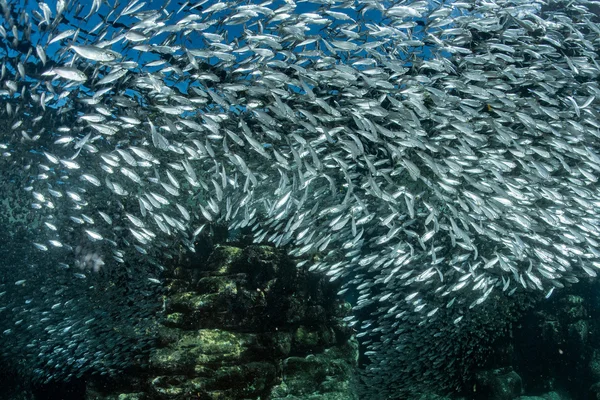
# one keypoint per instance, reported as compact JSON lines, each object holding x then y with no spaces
{"x":431,"y":161}
{"x":95,"y":53}
{"x":68,"y":73}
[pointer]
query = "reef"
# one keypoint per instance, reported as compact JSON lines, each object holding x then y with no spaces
{"x":551,"y":353}
{"x":249,"y":324}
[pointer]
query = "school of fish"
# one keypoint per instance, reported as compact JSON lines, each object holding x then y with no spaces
{"x":428,"y":155}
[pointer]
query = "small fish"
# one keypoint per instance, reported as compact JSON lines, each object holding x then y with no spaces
{"x":94,"y":235}
{"x":68,"y":73}
{"x":40,"y":246}
{"x":95,"y":53}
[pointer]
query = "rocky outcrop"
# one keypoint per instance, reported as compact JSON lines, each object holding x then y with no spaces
{"x":249,"y":324}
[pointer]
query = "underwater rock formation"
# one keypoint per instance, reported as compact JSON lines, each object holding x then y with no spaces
{"x":248,"y":325}
{"x":552,"y":351}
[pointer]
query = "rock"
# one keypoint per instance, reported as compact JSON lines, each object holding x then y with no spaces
{"x":248,"y":325}
{"x":205,"y":346}
{"x":573,"y":308}
{"x":319,"y":376}
{"x":594,"y":365}
{"x":578,"y":335}
{"x":439,"y":397}
{"x":545,"y":396}
{"x":237,"y":381}
{"x":594,"y":391}
{"x":498,"y":384}
{"x":91,"y":395}
{"x":304,"y":339}
{"x":553,"y":346}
